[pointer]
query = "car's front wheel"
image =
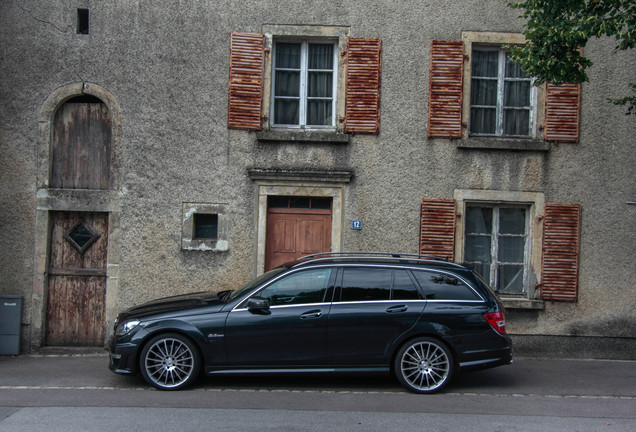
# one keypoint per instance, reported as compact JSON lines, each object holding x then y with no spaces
{"x":170,"y":362}
{"x":424,"y":365}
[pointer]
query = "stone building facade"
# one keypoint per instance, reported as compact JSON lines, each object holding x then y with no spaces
{"x":153,"y":148}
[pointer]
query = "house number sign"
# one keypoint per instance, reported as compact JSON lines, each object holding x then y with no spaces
{"x":356,"y":224}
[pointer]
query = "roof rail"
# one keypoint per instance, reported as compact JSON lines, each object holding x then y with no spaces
{"x":370,"y":256}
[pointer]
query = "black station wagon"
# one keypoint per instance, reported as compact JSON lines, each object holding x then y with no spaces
{"x":421,"y":318}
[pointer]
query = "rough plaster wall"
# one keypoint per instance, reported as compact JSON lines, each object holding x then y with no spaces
{"x":166,"y":63}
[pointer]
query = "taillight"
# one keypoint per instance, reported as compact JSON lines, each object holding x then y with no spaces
{"x":497,"y":321}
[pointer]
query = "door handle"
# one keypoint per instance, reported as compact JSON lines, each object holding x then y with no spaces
{"x":311,"y":314}
{"x":397,"y":309}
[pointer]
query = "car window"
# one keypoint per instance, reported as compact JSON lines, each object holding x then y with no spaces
{"x":309,"y":286}
{"x":441,"y":286}
{"x":366,"y":284}
{"x":403,"y":287}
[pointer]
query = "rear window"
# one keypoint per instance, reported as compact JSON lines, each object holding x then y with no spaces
{"x":377,"y":284}
{"x":441,"y":286}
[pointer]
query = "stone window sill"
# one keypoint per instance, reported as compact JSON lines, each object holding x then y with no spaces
{"x":496,"y":143}
{"x":521,"y":303}
{"x":306,"y":137}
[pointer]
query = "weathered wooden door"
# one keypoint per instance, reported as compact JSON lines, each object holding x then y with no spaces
{"x":295,"y":232}
{"x":81,"y":148}
{"x":77,"y":279}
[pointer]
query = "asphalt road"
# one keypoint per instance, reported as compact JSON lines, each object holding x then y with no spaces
{"x":79,"y":393}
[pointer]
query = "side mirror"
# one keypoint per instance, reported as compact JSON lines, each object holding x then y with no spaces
{"x":258,"y":305}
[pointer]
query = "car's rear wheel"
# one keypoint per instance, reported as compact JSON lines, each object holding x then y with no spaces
{"x":424,"y":365}
{"x":170,"y":362}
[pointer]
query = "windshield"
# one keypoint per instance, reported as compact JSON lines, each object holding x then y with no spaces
{"x":256,"y":282}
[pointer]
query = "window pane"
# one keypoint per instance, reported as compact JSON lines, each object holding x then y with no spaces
{"x":287,"y":83}
{"x":439,"y":286}
{"x":299,"y":202}
{"x":205,"y":226}
{"x":320,"y":56}
{"x":483,"y":120}
{"x":513,"y":69}
{"x":516,"y":122}
{"x":320,"y":84}
{"x":403,"y":287}
{"x":483,"y":92}
{"x":319,"y":112}
{"x":477,"y":249}
{"x":299,"y":288}
{"x":485,"y":63}
{"x":517,"y":94}
{"x":288,"y":55}
{"x":321,"y":203}
{"x":482,"y":270}
{"x":365,"y":284}
{"x":511,"y":249}
{"x":286,"y":111}
{"x":512,"y":220}
{"x":479,"y":220}
{"x":510,"y":278}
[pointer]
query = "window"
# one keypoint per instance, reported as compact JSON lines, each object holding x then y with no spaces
{"x":495,"y":244}
{"x":317,"y":78}
{"x":304,"y":84}
{"x":478,"y":96}
{"x":299,"y":288}
{"x":500,"y":95}
{"x":204,"y":227}
{"x":375,"y":284}
{"x":82,"y":21}
{"x":439,"y":286}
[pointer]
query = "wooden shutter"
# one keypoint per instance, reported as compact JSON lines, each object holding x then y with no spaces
{"x":246,"y":81}
{"x":446,"y":89}
{"x":364,"y":66}
{"x":560,"y":264}
{"x":437,"y":228}
{"x":562,"y":112}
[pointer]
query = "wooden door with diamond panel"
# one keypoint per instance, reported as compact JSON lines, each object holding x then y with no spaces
{"x":77,"y":279}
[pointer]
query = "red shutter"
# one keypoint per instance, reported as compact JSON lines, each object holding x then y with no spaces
{"x":437,"y":228}
{"x":560,"y":264}
{"x":446,"y":89}
{"x":364,"y":66}
{"x":562,"y":112}
{"x":246,"y":81}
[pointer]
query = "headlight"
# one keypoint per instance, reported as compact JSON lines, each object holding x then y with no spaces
{"x":126,"y":327}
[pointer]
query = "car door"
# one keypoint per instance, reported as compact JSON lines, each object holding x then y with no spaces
{"x":373,"y":307}
{"x":292,"y":332}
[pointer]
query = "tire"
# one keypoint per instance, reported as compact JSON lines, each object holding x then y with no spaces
{"x":424,"y":365}
{"x":170,"y":362}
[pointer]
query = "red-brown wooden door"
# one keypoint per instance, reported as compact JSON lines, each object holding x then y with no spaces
{"x":292,"y":233}
{"x":77,"y":279}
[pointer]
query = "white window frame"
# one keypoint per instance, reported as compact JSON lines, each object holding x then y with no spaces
{"x":533,"y":201}
{"x":304,"y":72}
{"x":501,"y":85}
{"x":494,"y":244}
{"x":496,"y":41}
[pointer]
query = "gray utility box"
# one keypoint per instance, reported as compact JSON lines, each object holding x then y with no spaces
{"x":10,"y":320}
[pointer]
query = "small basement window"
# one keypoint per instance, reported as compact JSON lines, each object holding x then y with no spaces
{"x":204,"y":227}
{"x":82,"y":21}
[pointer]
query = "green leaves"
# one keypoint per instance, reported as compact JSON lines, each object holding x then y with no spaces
{"x":556,"y":31}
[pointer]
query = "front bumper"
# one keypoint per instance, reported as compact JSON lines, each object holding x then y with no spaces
{"x":122,"y":356}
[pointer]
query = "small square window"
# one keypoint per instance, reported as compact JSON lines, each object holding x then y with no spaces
{"x":204,"y":227}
